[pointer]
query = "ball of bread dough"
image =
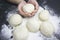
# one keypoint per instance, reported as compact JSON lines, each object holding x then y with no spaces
{"x":28,"y":8}
{"x":20,"y":33}
{"x":44,"y":15}
{"x":47,"y":29}
{"x":15,"y":20}
{"x":33,"y":25}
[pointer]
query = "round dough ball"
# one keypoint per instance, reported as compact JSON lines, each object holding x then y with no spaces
{"x":28,"y":8}
{"x":33,"y":25}
{"x":44,"y":15}
{"x":47,"y":29}
{"x":15,"y":1}
{"x":15,"y":20}
{"x":20,"y":33}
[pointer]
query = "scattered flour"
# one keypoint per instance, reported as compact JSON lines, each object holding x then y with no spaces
{"x":6,"y":32}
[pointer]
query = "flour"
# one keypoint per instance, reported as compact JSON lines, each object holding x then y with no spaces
{"x":6,"y":32}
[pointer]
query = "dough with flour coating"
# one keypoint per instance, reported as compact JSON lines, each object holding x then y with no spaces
{"x":47,"y":29}
{"x":28,"y":8}
{"x":20,"y":33}
{"x":33,"y":25}
{"x":15,"y":20}
{"x":44,"y":15}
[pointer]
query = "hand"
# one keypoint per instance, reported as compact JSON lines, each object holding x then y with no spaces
{"x":21,"y":10}
{"x":34,"y":2}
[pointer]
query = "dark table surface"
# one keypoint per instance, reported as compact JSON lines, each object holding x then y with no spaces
{"x":6,"y":6}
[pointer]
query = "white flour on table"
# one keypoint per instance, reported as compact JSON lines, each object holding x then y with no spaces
{"x":6,"y":32}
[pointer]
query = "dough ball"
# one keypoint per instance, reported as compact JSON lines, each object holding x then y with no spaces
{"x":44,"y":15}
{"x":33,"y":25}
{"x":28,"y":8}
{"x":15,"y":20}
{"x":47,"y":29}
{"x":20,"y":33}
{"x":15,"y":1}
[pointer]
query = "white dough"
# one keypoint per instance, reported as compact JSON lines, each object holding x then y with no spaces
{"x":20,"y":33}
{"x":44,"y":15}
{"x":29,"y":8}
{"x":15,"y":20}
{"x":47,"y":29}
{"x":33,"y":25}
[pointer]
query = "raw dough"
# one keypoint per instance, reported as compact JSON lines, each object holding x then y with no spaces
{"x":28,"y":8}
{"x":33,"y":25}
{"x":47,"y":29}
{"x":15,"y":20}
{"x":44,"y":15}
{"x":20,"y":33}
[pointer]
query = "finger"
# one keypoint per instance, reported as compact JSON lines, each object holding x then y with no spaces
{"x":29,"y":14}
{"x":21,"y":12}
{"x":21,"y":4}
{"x":34,"y":12}
{"x":37,"y":6}
{"x":20,"y":7}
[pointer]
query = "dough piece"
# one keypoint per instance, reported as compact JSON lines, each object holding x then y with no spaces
{"x":15,"y":20}
{"x":47,"y":29}
{"x":20,"y":33}
{"x":44,"y":15}
{"x":28,"y":8}
{"x":33,"y":25}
